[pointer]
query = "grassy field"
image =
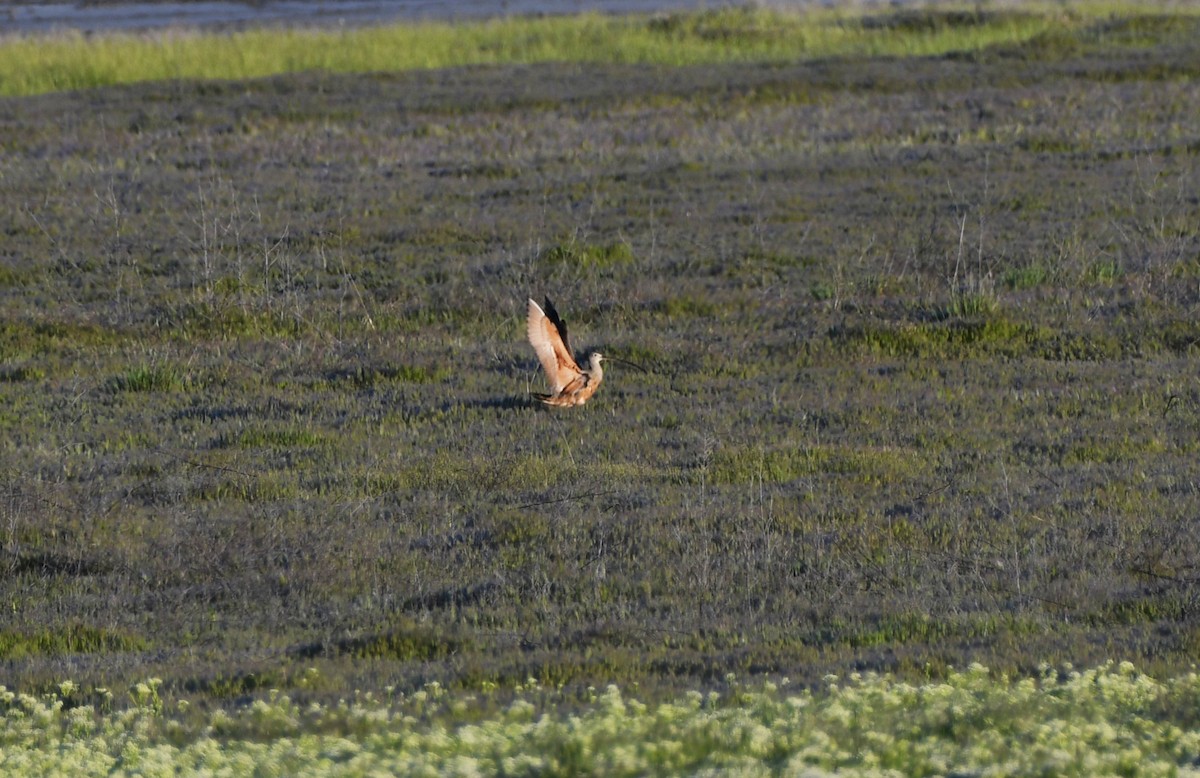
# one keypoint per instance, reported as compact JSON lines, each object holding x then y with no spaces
{"x":45,"y":63}
{"x":922,"y":335}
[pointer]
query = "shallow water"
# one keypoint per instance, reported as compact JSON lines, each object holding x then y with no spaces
{"x":46,"y":17}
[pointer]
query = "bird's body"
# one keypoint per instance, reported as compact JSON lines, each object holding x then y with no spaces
{"x":570,"y":384}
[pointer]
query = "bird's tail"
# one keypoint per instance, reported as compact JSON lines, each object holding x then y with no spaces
{"x":556,"y":400}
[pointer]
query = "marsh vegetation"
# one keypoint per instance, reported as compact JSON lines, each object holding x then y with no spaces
{"x":922,"y":332}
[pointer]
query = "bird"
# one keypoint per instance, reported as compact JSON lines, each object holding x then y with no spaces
{"x":570,"y":385}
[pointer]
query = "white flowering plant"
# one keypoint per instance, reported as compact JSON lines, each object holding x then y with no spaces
{"x":1107,"y":720}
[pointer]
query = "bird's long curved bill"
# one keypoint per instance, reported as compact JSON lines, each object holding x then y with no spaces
{"x":624,"y":362}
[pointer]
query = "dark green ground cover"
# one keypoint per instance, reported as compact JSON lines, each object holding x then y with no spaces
{"x":923,"y":341}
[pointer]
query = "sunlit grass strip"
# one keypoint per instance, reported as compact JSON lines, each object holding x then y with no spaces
{"x":1109,"y":720}
{"x":56,"y":62}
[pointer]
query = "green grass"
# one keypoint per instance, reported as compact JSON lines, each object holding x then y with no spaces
{"x":790,"y":463}
{"x":74,"y":639}
{"x":150,"y":378}
{"x":588,"y":256}
{"x":44,"y":63}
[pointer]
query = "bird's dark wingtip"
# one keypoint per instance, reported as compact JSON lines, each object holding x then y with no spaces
{"x":560,"y":325}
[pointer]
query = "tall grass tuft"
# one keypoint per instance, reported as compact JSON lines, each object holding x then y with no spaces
{"x":150,"y":378}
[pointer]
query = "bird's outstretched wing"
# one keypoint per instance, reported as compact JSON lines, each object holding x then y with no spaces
{"x":548,"y":336}
{"x":559,"y":325}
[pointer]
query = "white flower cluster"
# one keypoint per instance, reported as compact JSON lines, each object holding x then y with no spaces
{"x":1109,"y":720}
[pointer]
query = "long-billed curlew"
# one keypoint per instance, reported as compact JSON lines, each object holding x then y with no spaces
{"x":569,"y":383}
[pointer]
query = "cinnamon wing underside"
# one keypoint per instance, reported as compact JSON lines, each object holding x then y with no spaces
{"x":548,"y":341}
